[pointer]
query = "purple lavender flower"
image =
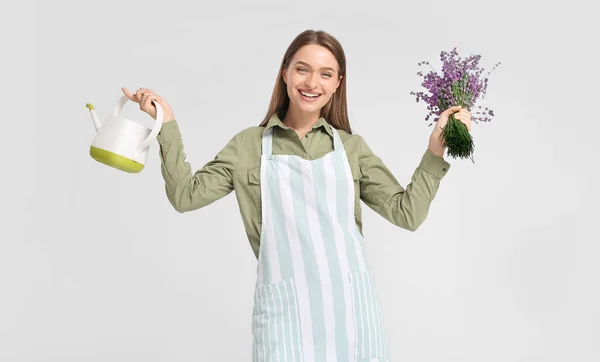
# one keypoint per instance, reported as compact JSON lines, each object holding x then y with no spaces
{"x":460,"y":83}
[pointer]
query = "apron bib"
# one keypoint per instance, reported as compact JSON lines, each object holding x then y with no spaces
{"x":314,"y":299}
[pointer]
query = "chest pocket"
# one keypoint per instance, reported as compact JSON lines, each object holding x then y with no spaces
{"x":356,"y":175}
{"x":254,"y":186}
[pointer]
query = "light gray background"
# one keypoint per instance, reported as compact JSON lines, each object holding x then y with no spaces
{"x":95,"y":264}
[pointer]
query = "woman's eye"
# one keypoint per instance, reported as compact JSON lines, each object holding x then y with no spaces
{"x":302,"y":69}
{"x":327,"y":75}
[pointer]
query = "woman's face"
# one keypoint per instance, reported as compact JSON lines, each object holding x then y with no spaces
{"x":312,"y":77}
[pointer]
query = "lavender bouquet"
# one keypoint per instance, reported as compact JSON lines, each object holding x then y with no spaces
{"x":459,"y":85}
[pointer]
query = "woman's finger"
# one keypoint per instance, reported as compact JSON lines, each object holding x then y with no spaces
{"x":128,"y":94}
{"x":147,"y":101}
{"x":464,"y":120}
{"x":468,"y":117}
{"x":143,"y":102}
{"x":139,"y":94}
{"x":156,"y":100}
{"x":153,"y":97}
{"x":465,"y":112}
{"x":143,"y":91}
{"x":453,"y":109}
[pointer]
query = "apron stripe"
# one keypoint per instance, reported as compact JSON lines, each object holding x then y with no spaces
{"x":359,"y":305}
{"x":258,"y":333}
{"x":281,"y":305}
{"x":330,"y":276}
{"x":296,"y":251}
{"x":386,"y":351}
{"x":352,"y":228}
{"x":374,"y":317}
{"x":318,"y":296}
{"x":277,"y":330}
{"x":284,"y":262}
{"x":381,"y":327}
{"x":339,"y":252}
{"x":265,"y":330}
{"x":354,"y":300}
{"x":346,"y":244}
{"x":296,"y":325}
{"x":368,"y":314}
{"x":254,"y":324}
{"x":288,"y":322}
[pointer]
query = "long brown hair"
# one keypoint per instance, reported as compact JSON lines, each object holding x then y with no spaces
{"x":336,"y":110}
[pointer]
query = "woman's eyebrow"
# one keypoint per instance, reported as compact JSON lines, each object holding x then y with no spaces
{"x":308,"y":65}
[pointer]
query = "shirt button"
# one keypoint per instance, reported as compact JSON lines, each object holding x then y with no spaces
{"x":444,"y":169}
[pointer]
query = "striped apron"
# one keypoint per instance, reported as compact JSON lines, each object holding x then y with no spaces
{"x":314,"y":299}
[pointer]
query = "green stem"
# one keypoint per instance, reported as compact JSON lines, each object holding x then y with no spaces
{"x":457,"y":138}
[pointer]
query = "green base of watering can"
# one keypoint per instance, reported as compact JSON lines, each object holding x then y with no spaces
{"x":114,"y":160}
{"x":122,"y":143}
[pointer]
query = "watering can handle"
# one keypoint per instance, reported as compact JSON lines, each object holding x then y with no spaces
{"x":157,"y":125}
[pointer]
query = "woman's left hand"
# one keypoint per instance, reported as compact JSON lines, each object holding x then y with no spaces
{"x":435,"y":142}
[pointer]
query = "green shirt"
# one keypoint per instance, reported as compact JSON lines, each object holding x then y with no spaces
{"x":237,"y":167}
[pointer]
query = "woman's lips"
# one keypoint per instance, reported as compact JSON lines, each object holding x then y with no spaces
{"x":308,"y":99}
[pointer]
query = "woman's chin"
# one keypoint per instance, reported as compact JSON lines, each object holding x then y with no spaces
{"x":308,"y":107}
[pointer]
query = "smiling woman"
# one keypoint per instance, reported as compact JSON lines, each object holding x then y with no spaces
{"x":299,"y":178}
{"x":311,"y":72}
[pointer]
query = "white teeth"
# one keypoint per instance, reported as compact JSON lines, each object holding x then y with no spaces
{"x":309,"y":95}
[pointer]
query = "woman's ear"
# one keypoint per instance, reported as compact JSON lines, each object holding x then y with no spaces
{"x":283,"y":71}
{"x":338,"y":82}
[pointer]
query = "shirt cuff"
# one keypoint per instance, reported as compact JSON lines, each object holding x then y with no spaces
{"x":434,"y":165}
{"x":168,"y":132}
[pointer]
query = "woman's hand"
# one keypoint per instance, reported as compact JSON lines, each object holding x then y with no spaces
{"x":436,"y":145}
{"x":144,"y":97}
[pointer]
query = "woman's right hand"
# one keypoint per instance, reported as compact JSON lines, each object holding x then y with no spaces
{"x":144,"y":97}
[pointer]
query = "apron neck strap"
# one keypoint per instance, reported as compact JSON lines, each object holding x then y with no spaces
{"x":337,"y":141}
{"x":267,"y":141}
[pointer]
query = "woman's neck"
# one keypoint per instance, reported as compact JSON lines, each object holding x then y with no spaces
{"x":301,"y":122}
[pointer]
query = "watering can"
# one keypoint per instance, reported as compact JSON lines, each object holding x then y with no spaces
{"x":122,"y":143}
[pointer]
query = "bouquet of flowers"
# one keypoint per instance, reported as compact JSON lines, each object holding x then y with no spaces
{"x":459,"y":84}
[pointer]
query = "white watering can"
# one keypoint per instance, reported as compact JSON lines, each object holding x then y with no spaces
{"x":120,"y":142}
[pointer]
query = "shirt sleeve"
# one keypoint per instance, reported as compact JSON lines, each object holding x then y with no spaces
{"x":404,"y":207}
{"x":187,"y":191}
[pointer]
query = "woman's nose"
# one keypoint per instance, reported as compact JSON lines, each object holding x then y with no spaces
{"x":311,"y":80}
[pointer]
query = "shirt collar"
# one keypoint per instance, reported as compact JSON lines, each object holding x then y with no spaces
{"x":275,"y":121}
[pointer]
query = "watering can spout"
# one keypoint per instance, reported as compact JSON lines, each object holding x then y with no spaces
{"x":95,"y":118}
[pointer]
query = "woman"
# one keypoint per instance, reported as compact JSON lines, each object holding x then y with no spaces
{"x":299,"y":177}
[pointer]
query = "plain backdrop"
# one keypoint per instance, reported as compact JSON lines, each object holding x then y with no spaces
{"x":96,"y":265}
